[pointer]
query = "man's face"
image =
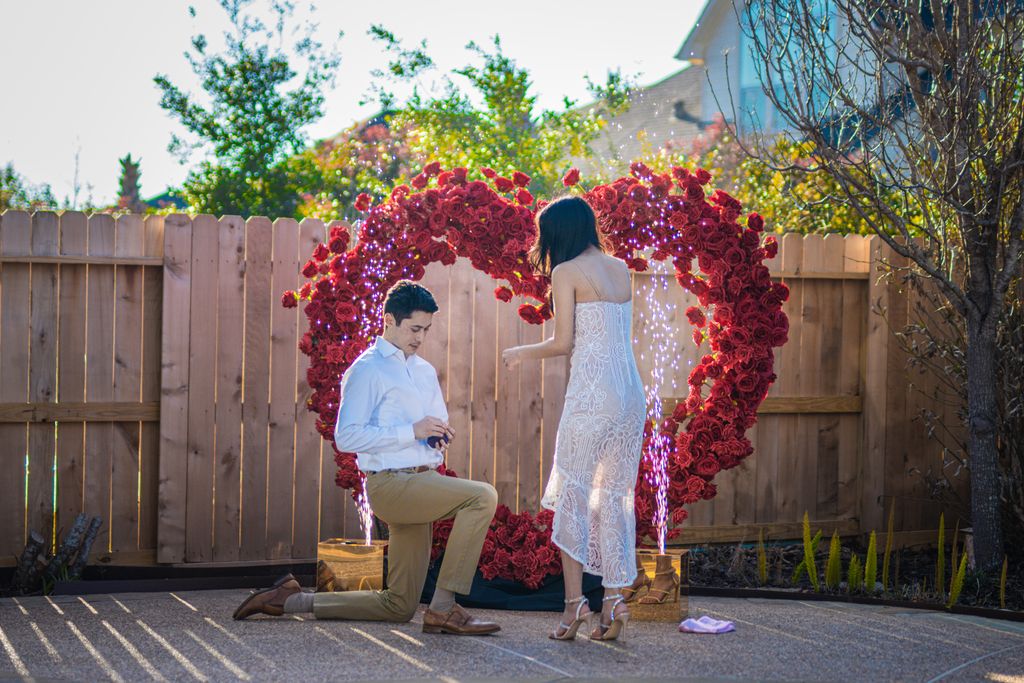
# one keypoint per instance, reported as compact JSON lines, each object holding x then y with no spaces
{"x":410,"y":334}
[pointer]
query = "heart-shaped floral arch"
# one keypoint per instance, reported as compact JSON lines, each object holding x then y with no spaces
{"x":717,"y":255}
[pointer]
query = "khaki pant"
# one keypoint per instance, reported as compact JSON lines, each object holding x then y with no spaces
{"x":410,"y":503}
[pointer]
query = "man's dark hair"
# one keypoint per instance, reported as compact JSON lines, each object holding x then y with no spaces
{"x":407,"y":297}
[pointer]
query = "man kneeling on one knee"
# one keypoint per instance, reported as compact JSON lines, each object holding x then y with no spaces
{"x":393,"y":416}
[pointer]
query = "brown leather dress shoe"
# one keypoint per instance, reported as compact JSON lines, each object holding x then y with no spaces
{"x":458,"y":622}
{"x":269,"y":601}
{"x":324,"y":578}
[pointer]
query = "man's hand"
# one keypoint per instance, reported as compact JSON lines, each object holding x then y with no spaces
{"x":432,"y":426}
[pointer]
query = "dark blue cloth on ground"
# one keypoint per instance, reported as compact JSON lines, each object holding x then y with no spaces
{"x":504,"y":594}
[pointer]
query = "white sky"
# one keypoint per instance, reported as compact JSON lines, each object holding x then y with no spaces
{"x":79,"y":75}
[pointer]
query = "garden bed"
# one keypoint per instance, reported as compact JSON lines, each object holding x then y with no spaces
{"x":733,"y":571}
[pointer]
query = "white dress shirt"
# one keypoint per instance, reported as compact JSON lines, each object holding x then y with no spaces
{"x":383,"y":394}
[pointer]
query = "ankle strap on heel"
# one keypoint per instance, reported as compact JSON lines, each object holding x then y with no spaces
{"x":580,"y":603}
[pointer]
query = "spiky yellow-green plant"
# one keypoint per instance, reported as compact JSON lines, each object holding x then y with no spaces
{"x":957,"y":583}
{"x":762,"y":558}
{"x":854,"y":575}
{"x":812,"y":568}
{"x":940,"y":564}
{"x":888,"y":545}
{"x":802,"y":566}
{"x":833,"y":568}
{"x":871,"y":565}
{"x":1002,"y":585}
{"x":953,"y":552}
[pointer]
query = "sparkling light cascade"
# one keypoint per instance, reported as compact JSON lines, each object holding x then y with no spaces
{"x":664,"y":353}
{"x":372,"y":316}
{"x":664,"y":350}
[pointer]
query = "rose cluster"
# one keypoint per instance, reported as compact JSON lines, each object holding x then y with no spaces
{"x":718,"y":255}
{"x":444,"y":215}
{"x":518,"y":547}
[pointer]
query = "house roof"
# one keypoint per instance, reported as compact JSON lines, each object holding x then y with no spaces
{"x":691,"y":38}
{"x":668,"y":110}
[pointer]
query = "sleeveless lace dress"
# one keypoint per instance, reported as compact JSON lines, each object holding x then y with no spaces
{"x":598,"y":446}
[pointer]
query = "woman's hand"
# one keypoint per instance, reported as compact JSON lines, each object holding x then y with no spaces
{"x":511,"y":357}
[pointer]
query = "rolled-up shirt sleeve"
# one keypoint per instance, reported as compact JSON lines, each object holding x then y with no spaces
{"x":354,"y":431}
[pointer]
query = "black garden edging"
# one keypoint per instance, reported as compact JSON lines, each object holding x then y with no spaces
{"x":988,"y":612}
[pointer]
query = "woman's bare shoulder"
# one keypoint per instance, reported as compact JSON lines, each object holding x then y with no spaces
{"x":566,"y":270}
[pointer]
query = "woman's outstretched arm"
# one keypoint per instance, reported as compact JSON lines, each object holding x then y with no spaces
{"x":563,"y":295}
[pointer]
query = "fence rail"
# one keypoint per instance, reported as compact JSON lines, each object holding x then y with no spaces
{"x":149,"y":375}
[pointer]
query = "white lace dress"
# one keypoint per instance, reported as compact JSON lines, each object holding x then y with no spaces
{"x":598,"y":447}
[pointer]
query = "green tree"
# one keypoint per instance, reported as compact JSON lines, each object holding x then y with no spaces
{"x":128,"y":196}
{"x":18,"y":193}
{"x":486,"y":115}
{"x":789,"y":200}
{"x":368,"y":157}
{"x":253,"y":121}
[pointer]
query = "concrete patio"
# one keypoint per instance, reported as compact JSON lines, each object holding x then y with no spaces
{"x":190,"y":636}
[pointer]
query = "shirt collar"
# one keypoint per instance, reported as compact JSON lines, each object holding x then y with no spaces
{"x":386,"y":348}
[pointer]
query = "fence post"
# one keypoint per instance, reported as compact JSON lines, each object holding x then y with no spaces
{"x":875,"y":390}
{"x":177,"y":287}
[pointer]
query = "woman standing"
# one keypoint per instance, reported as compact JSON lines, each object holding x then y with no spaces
{"x":600,"y":435}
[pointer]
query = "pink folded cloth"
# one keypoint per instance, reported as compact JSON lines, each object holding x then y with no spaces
{"x":706,"y":625}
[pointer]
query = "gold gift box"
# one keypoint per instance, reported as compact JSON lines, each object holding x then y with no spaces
{"x":356,"y":566}
{"x":673,"y":607}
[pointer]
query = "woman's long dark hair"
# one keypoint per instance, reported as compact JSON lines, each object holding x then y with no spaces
{"x":565,"y":228}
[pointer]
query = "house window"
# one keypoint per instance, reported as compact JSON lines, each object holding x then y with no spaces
{"x":756,"y":112}
{"x":753,"y":103}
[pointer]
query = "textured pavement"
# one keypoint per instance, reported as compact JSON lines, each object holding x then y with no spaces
{"x":190,"y":636}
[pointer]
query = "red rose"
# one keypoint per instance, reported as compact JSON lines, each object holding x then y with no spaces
{"x":338,"y":243}
{"x":572,"y":177}
{"x":637,"y":264}
{"x":520,"y":179}
{"x":524,"y":197}
{"x":639,"y":170}
{"x":432,"y":169}
{"x":702,"y":176}
{"x":310,"y":268}
{"x":530,"y":314}
{"x":289,"y":300}
{"x":459,"y":174}
{"x":444,"y":178}
{"x":420,"y":181}
{"x":362,"y":202}
{"x":503,"y":184}
{"x":695,"y":316}
{"x":488,"y":172}
{"x":503,"y":294}
{"x":638,"y":193}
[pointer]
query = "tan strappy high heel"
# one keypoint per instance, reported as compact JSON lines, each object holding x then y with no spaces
{"x":617,"y":629}
{"x":568,"y":631}
{"x":659,"y":596}
{"x":638,"y":588}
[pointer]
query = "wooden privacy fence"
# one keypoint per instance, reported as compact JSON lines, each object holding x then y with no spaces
{"x":148,"y":374}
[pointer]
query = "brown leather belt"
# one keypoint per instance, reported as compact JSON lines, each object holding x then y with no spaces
{"x":408,"y":470}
